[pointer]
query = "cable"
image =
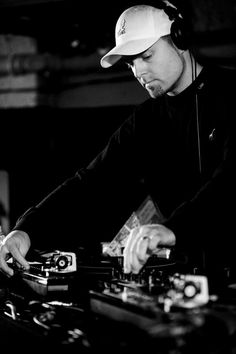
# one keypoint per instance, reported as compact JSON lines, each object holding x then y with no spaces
{"x":194,"y":75}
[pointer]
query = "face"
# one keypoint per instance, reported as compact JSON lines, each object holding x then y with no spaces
{"x":159,"y":69}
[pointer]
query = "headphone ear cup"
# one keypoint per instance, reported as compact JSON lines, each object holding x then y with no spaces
{"x":179,"y":34}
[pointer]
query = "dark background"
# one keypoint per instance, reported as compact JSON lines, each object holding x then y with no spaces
{"x":41,"y":146}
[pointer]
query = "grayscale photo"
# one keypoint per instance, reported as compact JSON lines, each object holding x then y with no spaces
{"x":117,"y":176}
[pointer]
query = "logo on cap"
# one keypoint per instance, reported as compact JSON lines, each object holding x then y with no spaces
{"x":122,"y":29}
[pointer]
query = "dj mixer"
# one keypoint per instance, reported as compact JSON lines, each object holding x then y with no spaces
{"x":89,"y":304}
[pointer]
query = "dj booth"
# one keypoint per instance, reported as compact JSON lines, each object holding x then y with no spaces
{"x":87,"y":304}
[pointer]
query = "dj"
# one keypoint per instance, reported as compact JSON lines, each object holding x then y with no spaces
{"x":179,"y":146}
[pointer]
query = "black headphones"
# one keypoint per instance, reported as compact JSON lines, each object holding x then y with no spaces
{"x":179,"y":31}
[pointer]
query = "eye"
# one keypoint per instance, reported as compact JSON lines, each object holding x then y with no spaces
{"x":147,"y":56}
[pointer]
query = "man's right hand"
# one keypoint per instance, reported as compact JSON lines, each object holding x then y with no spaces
{"x":16,"y":245}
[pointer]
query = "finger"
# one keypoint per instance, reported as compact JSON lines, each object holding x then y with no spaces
{"x":126,"y":253}
{"x":141,"y":249}
{"x":140,"y":244}
{"x":136,"y":263}
{"x":19,"y":258}
{"x":3,"y":264}
{"x":6,"y":270}
{"x":154,"y":240}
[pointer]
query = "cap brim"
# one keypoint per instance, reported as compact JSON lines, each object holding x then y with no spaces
{"x":133,"y":47}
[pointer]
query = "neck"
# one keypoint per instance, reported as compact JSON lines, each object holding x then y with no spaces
{"x":191,"y":70}
{"x":194,"y":67}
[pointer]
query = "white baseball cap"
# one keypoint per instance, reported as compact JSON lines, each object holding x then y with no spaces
{"x":137,"y":29}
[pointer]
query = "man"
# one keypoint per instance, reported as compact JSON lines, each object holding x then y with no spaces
{"x":177,"y":147}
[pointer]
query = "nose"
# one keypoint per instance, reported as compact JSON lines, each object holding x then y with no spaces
{"x":138,"y":69}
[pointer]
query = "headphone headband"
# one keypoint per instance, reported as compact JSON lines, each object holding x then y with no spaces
{"x":179,"y":32}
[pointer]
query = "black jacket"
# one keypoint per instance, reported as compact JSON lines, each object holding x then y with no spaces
{"x":156,"y":151}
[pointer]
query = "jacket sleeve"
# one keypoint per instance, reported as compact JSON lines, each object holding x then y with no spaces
{"x":83,"y":209}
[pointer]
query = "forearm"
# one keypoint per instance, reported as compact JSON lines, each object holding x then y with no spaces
{"x":41,"y":221}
